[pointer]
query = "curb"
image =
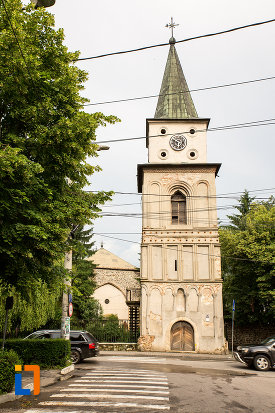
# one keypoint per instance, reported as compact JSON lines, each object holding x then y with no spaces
{"x":45,"y":381}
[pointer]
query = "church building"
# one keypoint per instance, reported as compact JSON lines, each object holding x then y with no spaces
{"x":181,"y":285}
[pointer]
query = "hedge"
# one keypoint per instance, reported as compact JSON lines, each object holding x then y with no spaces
{"x":8,"y":359}
{"x":47,"y":353}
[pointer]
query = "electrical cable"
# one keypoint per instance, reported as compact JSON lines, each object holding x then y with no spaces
{"x":265,"y":122}
{"x":191,"y":252}
{"x":177,"y":41}
{"x":194,"y":196}
{"x":186,"y":91}
{"x":153,"y":202}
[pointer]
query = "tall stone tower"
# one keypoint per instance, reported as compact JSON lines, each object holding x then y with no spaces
{"x":181,"y":304}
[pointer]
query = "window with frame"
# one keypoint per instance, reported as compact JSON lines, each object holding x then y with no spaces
{"x":178,"y":204}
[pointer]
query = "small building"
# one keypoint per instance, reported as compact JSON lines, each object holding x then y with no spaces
{"x":118,"y":287}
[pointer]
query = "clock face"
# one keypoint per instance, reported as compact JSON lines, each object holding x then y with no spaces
{"x":178,"y":142}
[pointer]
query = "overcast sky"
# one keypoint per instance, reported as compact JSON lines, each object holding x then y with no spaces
{"x":246,"y":154}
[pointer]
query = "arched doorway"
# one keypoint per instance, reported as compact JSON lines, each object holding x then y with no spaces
{"x":182,"y":337}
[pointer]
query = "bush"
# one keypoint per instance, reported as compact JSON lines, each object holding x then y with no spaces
{"x":8,"y":359}
{"x":109,"y":330}
{"x":45,"y":353}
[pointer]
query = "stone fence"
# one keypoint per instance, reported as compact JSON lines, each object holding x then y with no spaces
{"x":248,"y":334}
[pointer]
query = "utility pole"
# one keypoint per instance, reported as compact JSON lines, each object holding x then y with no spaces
{"x":68,"y":262}
{"x":65,"y":320}
{"x":232,"y":338}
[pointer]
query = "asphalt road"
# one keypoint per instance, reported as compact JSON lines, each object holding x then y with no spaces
{"x":139,"y":384}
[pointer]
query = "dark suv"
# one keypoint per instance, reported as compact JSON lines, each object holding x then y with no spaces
{"x":261,"y":356}
{"x":83,"y":344}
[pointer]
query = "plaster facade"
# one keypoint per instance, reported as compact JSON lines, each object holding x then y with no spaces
{"x":113,"y":277}
{"x":181,"y":284}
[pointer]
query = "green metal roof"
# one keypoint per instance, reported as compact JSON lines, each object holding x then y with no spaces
{"x":175,"y":101}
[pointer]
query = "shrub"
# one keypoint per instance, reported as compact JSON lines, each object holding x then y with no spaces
{"x":45,"y":353}
{"x":8,"y":359}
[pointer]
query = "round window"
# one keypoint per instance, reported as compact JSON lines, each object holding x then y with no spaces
{"x":106,"y":301}
{"x":192,"y":131}
{"x":163,"y":154}
{"x":163,"y":131}
{"x":193,"y":154}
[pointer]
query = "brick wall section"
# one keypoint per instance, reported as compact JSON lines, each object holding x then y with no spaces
{"x":122,"y":279}
{"x":252,"y":334}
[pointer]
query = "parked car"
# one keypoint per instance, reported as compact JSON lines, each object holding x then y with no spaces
{"x":83,"y":343}
{"x":261,"y":356}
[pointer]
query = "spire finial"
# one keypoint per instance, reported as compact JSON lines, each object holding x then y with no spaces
{"x":101,"y":244}
{"x":171,"y":26}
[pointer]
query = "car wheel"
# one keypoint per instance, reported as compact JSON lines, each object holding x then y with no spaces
{"x":261,"y":363}
{"x":75,"y":356}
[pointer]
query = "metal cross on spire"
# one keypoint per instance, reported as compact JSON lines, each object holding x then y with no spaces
{"x":171,"y":26}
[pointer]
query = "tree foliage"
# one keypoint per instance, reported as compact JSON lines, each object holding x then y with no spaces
{"x":248,"y":261}
{"x":31,"y":312}
{"x":86,"y":308}
{"x":45,"y":139}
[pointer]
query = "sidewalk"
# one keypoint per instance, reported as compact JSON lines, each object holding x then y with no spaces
{"x":183,"y":355}
{"x":47,"y":377}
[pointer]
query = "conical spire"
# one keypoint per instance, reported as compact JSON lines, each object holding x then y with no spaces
{"x":175,"y":101}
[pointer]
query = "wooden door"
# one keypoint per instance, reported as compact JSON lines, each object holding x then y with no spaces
{"x":182,"y":337}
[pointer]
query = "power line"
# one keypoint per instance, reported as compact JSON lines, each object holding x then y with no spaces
{"x":190,"y":252}
{"x":194,"y":196}
{"x":178,"y":41}
{"x":153,"y":202}
{"x":17,"y":40}
{"x":218,"y":128}
{"x":178,"y":93}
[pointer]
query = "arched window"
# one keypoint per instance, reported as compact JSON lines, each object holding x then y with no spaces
{"x":178,"y":203}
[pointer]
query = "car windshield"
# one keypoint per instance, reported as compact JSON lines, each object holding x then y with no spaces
{"x":268,"y":340}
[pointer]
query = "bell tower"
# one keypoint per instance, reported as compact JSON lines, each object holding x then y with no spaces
{"x":181,"y":298}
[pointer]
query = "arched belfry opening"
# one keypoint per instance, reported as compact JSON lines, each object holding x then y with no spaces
{"x":178,"y":205}
{"x":182,"y":337}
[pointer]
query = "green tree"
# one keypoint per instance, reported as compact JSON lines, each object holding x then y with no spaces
{"x":29,"y":313}
{"x":86,"y":308}
{"x":248,"y":262}
{"x":45,"y":139}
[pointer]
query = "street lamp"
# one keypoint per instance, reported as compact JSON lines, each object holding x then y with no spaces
{"x":43,"y":3}
{"x":103,"y":148}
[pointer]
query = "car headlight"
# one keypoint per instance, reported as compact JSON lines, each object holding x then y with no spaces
{"x":245,"y":350}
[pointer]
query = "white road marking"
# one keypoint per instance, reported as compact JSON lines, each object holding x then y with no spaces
{"x":120,"y":385}
{"x":117,"y":390}
{"x":126,"y":377}
{"x":58,"y":411}
{"x":103,"y":404}
{"x":109,"y":396}
{"x":151,"y":376}
{"x":136,"y":359}
{"x":119,"y":381}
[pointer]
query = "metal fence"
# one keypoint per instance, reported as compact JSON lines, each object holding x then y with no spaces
{"x":112,"y":330}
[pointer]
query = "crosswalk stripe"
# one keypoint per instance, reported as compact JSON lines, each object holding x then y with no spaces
{"x":120,"y":381}
{"x":58,"y":411}
{"x":108,"y":396}
{"x":116,"y":390}
{"x":120,"y":385}
{"x":137,"y":376}
{"x":126,"y":377}
{"x":136,"y":359}
{"x":103,"y":404}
